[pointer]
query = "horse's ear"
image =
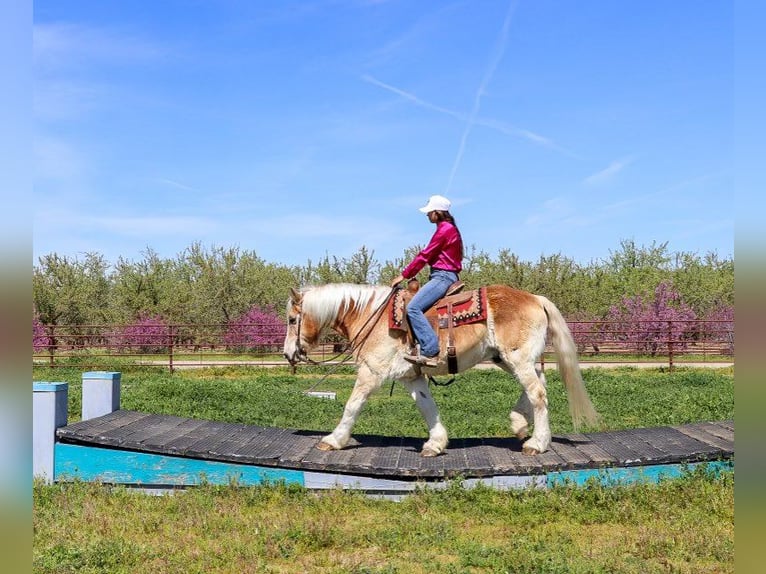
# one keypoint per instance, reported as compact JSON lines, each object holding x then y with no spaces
{"x":295,"y":295}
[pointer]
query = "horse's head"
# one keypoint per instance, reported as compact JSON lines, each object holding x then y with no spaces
{"x":302,"y":332}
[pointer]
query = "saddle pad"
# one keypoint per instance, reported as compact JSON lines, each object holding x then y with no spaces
{"x":471,"y":309}
{"x":397,"y":319}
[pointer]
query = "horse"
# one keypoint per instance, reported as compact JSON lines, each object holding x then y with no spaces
{"x":513,"y":337}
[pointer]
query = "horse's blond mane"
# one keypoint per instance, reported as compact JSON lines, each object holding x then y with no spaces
{"x":325,"y":302}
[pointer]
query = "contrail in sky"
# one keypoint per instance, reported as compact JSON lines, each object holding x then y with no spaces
{"x":493,"y":63}
{"x":477,"y":121}
{"x":412,"y":97}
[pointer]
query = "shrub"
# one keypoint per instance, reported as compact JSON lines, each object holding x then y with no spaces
{"x":258,"y":328}
{"x":147,"y":334}
{"x":648,"y":326}
{"x":40,"y":338}
{"x":587,"y":331}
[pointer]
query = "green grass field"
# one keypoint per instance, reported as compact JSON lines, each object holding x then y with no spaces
{"x":681,"y":525}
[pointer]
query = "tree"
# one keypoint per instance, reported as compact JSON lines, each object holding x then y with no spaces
{"x":71,"y":291}
{"x":647,"y":326}
{"x":147,"y":286}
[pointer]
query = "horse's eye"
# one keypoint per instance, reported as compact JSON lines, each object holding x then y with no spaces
{"x":292,"y":320}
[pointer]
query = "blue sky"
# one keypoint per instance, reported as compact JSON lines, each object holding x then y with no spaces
{"x":299,"y":129}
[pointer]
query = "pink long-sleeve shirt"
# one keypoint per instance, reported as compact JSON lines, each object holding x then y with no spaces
{"x":444,"y":251}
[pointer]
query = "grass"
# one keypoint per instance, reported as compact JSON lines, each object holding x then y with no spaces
{"x":681,"y":525}
{"x":477,"y":404}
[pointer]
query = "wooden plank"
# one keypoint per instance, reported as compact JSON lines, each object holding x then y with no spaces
{"x":302,"y":442}
{"x":119,"y":436}
{"x":362,"y":459}
{"x":720,"y":429}
{"x":151,"y":427}
{"x":569,"y":453}
{"x":506,"y":457}
{"x":268,"y":445}
{"x":454,"y":459}
{"x":645,"y":444}
{"x":409,"y":456}
{"x":232,"y":447}
{"x":385,"y":459}
{"x":584,"y":444}
{"x":435,"y":466}
{"x":477,"y":459}
{"x":95,"y":428}
{"x":193,"y":432}
{"x":700,"y":432}
{"x":679,"y":446}
{"x":208,"y":443}
{"x":167,"y":439}
{"x":623,"y":454}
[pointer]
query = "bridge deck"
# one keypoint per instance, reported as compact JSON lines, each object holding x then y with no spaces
{"x":398,"y":457}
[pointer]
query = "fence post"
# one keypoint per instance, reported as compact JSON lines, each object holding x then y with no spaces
{"x":49,"y":412}
{"x":170,"y":347}
{"x":51,"y":345}
{"x":100,"y":393}
{"x":670,"y":345}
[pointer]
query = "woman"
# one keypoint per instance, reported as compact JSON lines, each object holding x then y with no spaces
{"x":444,"y":253}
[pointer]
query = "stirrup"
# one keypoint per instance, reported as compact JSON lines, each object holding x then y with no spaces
{"x":422,"y":361}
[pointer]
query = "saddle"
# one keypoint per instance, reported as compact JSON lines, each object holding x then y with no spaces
{"x":456,"y":308}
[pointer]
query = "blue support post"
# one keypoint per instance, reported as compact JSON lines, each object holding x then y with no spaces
{"x":49,"y":412}
{"x":100,"y":393}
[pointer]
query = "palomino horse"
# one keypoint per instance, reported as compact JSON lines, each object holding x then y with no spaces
{"x":513,"y":337}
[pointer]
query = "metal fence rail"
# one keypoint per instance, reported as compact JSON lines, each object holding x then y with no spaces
{"x":185,"y":345}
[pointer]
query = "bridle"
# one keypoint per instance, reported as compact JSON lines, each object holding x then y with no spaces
{"x":355,"y":343}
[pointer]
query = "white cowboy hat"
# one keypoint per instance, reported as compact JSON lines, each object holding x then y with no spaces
{"x":436,"y":203}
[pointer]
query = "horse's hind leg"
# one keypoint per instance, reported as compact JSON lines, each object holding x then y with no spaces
{"x":437,"y":434}
{"x":532,"y":404}
{"x":533,"y":382}
{"x":522,"y":412}
{"x":365,"y":384}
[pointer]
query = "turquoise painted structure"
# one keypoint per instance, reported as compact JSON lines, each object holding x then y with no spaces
{"x":93,"y":464}
{"x":148,"y":470}
{"x":633,"y":474}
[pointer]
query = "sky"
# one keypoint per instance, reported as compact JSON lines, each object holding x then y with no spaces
{"x":303,"y":129}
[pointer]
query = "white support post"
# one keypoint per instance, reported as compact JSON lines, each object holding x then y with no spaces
{"x":49,"y":412}
{"x":100,"y":393}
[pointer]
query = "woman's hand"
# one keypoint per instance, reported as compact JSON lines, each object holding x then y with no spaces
{"x":399,"y":278}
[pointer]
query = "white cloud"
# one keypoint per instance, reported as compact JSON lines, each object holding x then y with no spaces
{"x":610,"y":172}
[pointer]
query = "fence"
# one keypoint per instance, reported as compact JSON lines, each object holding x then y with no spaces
{"x":186,"y":346}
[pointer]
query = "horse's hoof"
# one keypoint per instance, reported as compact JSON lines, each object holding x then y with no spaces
{"x":428,"y":453}
{"x":529,"y":450}
{"x":321,"y":445}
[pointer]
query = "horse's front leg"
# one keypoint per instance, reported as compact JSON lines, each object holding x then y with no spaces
{"x":437,"y":434}
{"x":366,"y":384}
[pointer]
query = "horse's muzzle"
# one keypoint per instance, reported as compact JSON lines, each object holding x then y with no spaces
{"x":297,"y":356}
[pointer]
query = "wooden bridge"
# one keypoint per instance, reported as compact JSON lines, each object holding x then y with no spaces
{"x":162,"y":450}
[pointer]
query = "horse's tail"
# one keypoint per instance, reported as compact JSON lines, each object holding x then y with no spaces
{"x":580,"y":406}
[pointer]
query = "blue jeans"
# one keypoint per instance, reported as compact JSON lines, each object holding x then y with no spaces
{"x":430,"y":293}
